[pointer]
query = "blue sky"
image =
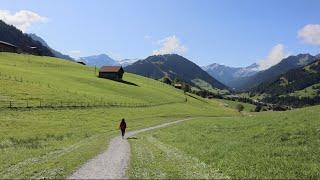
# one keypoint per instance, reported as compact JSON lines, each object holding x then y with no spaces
{"x":230,"y":32}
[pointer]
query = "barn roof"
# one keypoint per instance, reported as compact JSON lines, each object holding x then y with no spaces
{"x":6,"y":43}
{"x":110,"y":69}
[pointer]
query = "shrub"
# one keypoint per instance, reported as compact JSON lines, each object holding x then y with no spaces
{"x":258,"y":108}
{"x":240,"y":107}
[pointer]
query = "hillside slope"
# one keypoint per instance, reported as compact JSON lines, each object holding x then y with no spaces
{"x":297,"y":87}
{"x":291,"y":81}
{"x":52,"y":80}
{"x":58,"y":139}
{"x":11,"y":34}
{"x":54,"y":52}
{"x":285,"y":65}
{"x":174,"y":67}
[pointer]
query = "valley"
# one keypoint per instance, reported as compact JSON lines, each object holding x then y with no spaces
{"x":159,"y":89}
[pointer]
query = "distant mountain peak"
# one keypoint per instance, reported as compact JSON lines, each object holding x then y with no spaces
{"x":99,"y":60}
{"x":173,"y":66}
{"x":227,"y":74}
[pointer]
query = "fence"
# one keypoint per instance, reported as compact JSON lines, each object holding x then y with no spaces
{"x":22,"y":104}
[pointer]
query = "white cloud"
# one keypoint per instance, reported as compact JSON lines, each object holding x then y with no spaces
{"x":310,"y":34}
{"x":75,"y":53}
{"x":170,"y":45}
{"x":276,"y":54}
{"x":22,"y":19}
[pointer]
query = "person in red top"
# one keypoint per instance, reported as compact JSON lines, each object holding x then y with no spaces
{"x":123,"y":127}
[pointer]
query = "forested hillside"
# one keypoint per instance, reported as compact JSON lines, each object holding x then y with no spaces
{"x":12,"y":35}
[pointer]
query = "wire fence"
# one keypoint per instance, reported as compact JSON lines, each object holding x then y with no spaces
{"x":23,"y":104}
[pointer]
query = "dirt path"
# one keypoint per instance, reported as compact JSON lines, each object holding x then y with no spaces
{"x":113,"y":163}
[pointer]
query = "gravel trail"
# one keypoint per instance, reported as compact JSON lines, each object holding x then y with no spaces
{"x":113,"y":163}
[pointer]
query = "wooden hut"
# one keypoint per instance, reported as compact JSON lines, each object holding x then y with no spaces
{"x":111,"y":72}
{"x":7,"y":47}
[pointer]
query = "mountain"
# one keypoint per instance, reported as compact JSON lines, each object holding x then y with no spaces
{"x":297,"y":87}
{"x":174,"y":67}
{"x":54,"y":52}
{"x":12,"y":35}
{"x":291,"y":62}
{"x":291,"y":81}
{"x":99,"y":60}
{"x":226,"y":74}
{"x":127,"y":62}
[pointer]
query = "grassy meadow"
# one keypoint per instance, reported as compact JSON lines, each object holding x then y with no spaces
{"x":53,"y":142}
{"x":266,"y":145}
{"x":53,"y":80}
{"x":233,"y":104}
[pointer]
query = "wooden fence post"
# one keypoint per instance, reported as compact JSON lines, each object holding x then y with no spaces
{"x":40,"y":103}
{"x":10,"y":106}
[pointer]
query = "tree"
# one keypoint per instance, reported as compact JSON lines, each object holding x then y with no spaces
{"x":240,"y":107}
{"x":186,"y":87}
{"x":166,"y":80}
{"x":258,"y":108}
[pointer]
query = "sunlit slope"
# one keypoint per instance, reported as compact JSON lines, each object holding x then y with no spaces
{"x":52,"y":80}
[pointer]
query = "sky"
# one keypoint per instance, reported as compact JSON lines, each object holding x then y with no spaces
{"x":230,"y":32}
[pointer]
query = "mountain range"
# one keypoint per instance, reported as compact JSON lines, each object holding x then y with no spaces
{"x":297,"y":87}
{"x":227,"y":75}
{"x":174,"y":67}
{"x":291,"y":81}
{"x":291,"y":62}
{"x":54,"y":52}
{"x":249,"y":77}
{"x":105,"y":60}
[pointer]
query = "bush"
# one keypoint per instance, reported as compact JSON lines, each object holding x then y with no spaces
{"x":240,"y":107}
{"x":258,"y":108}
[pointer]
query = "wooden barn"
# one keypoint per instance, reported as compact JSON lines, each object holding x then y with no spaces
{"x":178,"y":86}
{"x":82,"y":63}
{"x":7,"y":47}
{"x":111,"y":72}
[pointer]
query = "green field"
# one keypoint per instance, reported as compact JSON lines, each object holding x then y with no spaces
{"x":268,"y":145}
{"x":56,"y":123}
{"x":52,"y":80}
{"x":310,"y":91}
{"x":53,"y":142}
{"x":206,"y":86}
{"x":233,"y":104}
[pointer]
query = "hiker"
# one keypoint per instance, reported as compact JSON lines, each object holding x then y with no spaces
{"x":123,"y":127}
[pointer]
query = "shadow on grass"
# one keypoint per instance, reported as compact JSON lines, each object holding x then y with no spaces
{"x":134,"y":138}
{"x":127,"y":82}
{"x":121,"y":81}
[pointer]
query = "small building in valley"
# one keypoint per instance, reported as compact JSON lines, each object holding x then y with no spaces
{"x":7,"y":47}
{"x":178,"y":86}
{"x":111,"y":72}
{"x":82,"y":63}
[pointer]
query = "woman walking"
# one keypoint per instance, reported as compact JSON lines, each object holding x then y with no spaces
{"x":123,"y":127}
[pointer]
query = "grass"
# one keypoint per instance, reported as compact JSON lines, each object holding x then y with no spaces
{"x":307,"y":92}
{"x":52,"y":80}
{"x":51,"y":143}
{"x":206,"y":86}
{"x":232,"y":104}
{"x":268,"y":145}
